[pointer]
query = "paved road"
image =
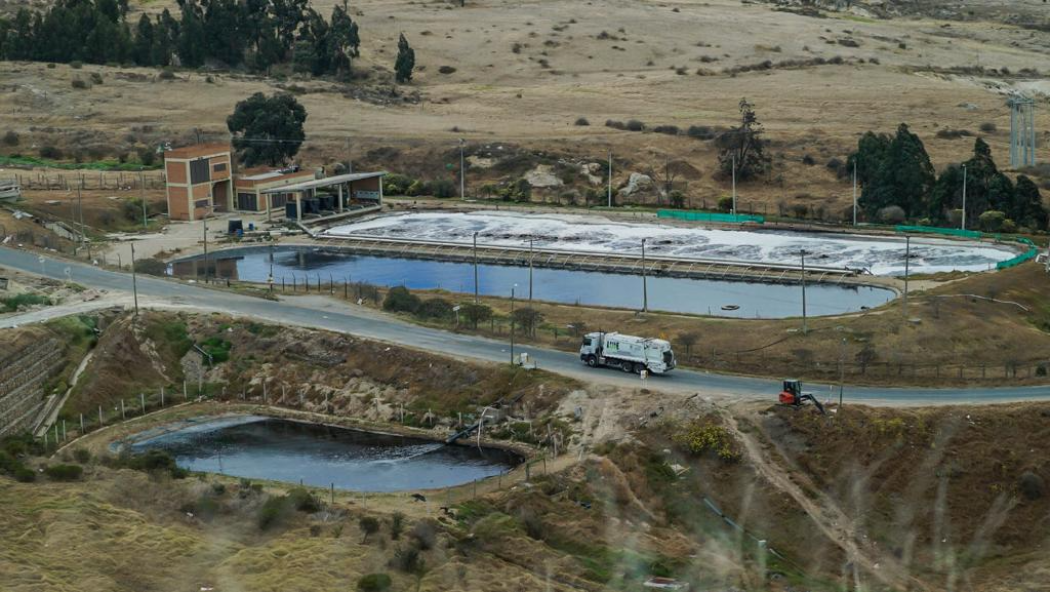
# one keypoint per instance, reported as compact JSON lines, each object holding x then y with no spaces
{"x":366,"y":323}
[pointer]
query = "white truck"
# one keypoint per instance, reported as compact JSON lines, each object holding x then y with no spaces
{"x":627,"y":352}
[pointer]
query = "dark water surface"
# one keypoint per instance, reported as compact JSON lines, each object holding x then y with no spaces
{"x":680,"y":295}
{"x":283,"y":450}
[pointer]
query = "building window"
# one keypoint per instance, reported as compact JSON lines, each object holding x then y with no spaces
{"x":219,"y":167}
{"x":247,"y":201}
{"x":200,"y":172}
{"x":200,"y":203}
{"x":278,"y":200}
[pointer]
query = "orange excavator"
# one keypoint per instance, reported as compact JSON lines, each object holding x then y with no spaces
{"x":793,"y":396}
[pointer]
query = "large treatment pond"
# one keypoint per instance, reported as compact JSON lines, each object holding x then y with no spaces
{"x":677,"y":295}
{"x":282,"y":450}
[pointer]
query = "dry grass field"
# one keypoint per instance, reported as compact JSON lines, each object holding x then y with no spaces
{"x":526,"y":71}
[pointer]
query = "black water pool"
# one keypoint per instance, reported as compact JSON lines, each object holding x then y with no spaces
{"x":679,"y":295}
{"x":318,"y":455}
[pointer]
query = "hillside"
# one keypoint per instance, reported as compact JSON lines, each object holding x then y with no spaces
{"x":522,"y":77}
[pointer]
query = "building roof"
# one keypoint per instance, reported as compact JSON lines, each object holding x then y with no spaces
{"x":197,"y":150}
{"x":326,"y":182}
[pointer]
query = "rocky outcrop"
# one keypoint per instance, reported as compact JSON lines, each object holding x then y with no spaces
{"x":593,"y":171}
{"x":637,"y":183}
{"x":543,"y":177}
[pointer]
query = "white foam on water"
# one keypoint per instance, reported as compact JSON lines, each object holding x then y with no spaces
{"x":877,"y":254}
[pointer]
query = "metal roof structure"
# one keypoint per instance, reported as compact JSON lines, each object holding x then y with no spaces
{"x":326,"y":182}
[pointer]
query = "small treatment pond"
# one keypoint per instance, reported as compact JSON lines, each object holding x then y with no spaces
{"x":258,"y":447}
{"x":677,"y":295}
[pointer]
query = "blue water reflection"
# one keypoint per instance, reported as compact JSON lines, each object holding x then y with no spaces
{"x":694,"y":296}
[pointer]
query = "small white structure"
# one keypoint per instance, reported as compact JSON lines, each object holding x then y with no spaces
{"x":655,"y":583}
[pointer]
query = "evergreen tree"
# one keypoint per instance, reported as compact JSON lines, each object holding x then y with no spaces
{"x":223,"y":31}
{"x":904,"y":177}
{"x":20,"y":42}
{"x":267,"y":130}
{"x":1030,"y":210}
{"x":406,"y":61}
{"x":286,"y":16}
{"x":5,"y":28}
{"x":312,"y":52}
{"x":743,"y":147}
{"x":258,"y":33}
{"x":871,"y":152}
{"x":142,"y":50}
{"x":165,"y":39}
{"x":192,"y":41}
{"x":344,"y":41}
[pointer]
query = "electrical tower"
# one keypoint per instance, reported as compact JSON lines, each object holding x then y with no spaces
{"x":1022,"y":131}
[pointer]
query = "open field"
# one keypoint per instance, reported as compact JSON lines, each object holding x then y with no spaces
{"x":523,"y":76}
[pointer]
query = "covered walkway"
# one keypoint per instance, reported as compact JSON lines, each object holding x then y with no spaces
{"x":337,"y":193}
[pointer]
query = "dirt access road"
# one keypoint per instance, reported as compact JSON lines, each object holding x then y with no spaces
{"x":383,"y":328}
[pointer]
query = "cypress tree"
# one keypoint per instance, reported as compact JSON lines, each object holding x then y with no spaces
{"x":192,"y":42}
{"x":406,"y":61}
{"x":142,"y":50}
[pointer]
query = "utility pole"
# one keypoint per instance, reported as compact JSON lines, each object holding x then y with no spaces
{"x":854,"y":192}
{"x":734,"y":183}
{"x":134,"y":280}
{"x":142,"y":194}
{"x":269,"y":280}
{"x":610,"y":179}
{"x":645,"y":287}
{"x":907,"y":259}
{"x":204,"y":222}
{"x":512,"y":323}
{"x":964,"y":198}
{"x":80,"y":214}
{"x":475,"y":268}
{"x":530,"y":270}
{"x":842,"y":370}
{"x":462,"y":173}
{"x":804,"y":328}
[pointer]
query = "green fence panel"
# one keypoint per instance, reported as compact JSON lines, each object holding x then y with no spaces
{"x":1012,"y":262}
{"x":1029,"y":254}
{"x":943,"y":231}
{"x":695,"y":216}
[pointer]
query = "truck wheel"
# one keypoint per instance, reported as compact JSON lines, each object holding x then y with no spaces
{"x":627,"y":367}
{"x":592,"y":361}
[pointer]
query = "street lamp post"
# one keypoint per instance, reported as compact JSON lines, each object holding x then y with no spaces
{"x":842,"y":370}
{"x":964,"y":198}
{"x":270,"y":279}
{"x":134,"y":280}
{"x":854,"y":192}
{"x":142,"y":194}
{"x":475,"y":268}
{"x":462,"y":173}
{"x":512,"y":323}
{"x":907,"y":260}
{"x":610,"y":180}
{"x":530,"y":269}
{"x":645,"y":287}
{"x":803,"y":254}
{"x":734,"y":183}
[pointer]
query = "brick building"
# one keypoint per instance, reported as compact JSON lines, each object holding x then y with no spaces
{"x":199,"y":180}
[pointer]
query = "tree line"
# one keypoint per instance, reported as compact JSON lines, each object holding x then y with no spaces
{"x":899,"y":183}
{"x":253,"y":34}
